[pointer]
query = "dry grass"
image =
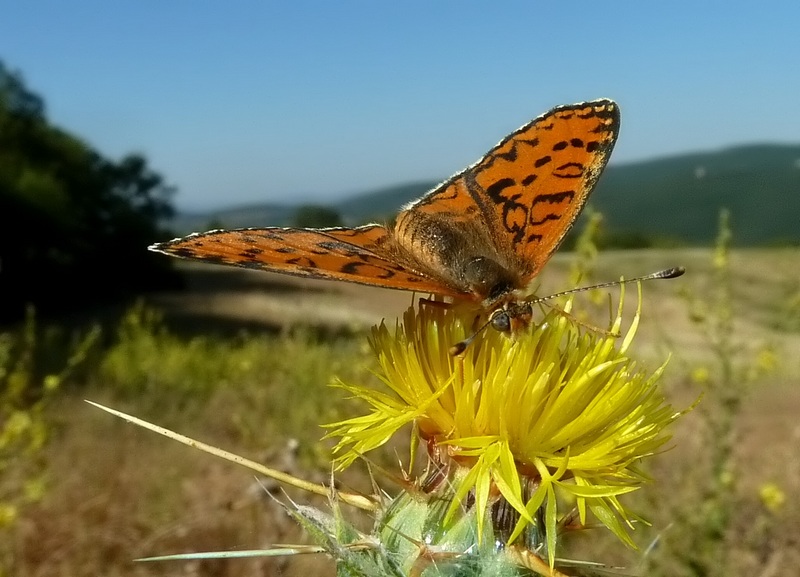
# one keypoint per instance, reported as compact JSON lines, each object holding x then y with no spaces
{"x":118,"y":492}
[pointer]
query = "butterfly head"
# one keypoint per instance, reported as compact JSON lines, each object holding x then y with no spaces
{"x":511,"y":317}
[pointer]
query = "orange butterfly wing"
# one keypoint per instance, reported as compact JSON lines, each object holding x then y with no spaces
{"x":350,"y":254}
{"x":528,"y":190}
{"x":511,"y":208}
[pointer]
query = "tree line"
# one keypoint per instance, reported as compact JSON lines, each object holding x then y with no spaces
{"x":74,"y":224}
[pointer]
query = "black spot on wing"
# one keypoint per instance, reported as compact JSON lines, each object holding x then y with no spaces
{"x":251,"y":252}
{"x":303,"y":262}
{"x":570,"y":170}
{"x":554,"y":198}
{"x":547,"y":217}
{"x":353,"y":268}
{"x":268,"y":234}
{"x":511,"y":155}
{"x":335,"y":246}
{"x":496,"y":188}
{"x":593,"y":146}
{"x":180,"y":252}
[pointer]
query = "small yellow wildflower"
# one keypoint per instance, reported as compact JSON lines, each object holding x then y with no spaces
{"x":772,"y":496}
{"x":8,"y":515}
{"x":701,"y":375}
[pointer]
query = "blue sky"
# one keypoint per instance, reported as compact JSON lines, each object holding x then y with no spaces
{"x":240,"y":102}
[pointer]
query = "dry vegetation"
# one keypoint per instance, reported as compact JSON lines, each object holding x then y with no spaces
{"x":229,"y":365}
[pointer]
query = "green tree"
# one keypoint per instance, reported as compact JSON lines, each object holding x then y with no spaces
{"x":74,"y":226}
{"x":316,"y":216}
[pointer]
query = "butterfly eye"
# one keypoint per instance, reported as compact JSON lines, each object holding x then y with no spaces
{"x":501,"y":322}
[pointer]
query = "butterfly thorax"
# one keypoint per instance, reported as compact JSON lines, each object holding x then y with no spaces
{"x":455,"y":253}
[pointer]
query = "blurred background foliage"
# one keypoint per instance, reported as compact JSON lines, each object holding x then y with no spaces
{"x":73,"y":223}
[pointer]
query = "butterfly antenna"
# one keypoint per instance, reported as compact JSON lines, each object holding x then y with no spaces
{"x":460,"y":347}
{"x":673,"y":272}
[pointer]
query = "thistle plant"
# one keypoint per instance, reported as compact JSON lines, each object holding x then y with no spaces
{"x":511,"y":428}
{"x":509,"y":432}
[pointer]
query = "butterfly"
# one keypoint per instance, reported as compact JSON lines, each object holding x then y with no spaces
{"x":480,"y":236}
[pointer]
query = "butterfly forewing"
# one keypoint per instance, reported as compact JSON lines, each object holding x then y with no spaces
{"x":338,"y":254}
{"x":538,"y":179}
{"x":525,"y":193}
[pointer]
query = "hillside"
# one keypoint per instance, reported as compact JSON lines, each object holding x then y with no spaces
{"x":680,"y":196}
{"x":676,"y":198}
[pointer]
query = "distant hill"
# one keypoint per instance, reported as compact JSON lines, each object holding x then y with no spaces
{"x":676,"y":198}
{"x":680,"y":197}
{"x":382,"y":204}
{"x":371,"y":206}
{"x":237,"y":217}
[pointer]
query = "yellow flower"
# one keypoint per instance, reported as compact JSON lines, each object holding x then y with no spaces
{"x":556,"y":410}
{"x":8,"y":515}
{"x":701,"y":375}
{"x":772,"y":496}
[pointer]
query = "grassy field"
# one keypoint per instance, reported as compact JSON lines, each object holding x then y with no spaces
{"x":242,"y":361}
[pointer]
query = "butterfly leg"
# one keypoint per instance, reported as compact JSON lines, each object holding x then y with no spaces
{"x":594,"y":328}
{"x":435,"y":303}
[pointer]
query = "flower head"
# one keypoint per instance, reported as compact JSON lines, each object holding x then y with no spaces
{"x":557,"y":410}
